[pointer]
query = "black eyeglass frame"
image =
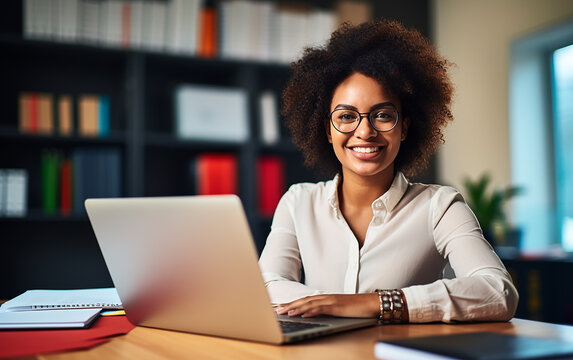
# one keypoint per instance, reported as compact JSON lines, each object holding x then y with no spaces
{"x":368,"y":116}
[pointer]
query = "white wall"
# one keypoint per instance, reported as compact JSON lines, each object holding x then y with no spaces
{"x":476,"y":35}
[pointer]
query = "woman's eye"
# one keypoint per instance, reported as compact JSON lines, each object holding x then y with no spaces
{"x":384,"y":116}
{"x":347,"y":117}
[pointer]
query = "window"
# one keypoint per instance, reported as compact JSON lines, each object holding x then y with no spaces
{"x":562,"y":80}
{"x":541,"y":129}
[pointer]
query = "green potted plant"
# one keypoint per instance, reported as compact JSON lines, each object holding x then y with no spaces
{"x":489,"y":208}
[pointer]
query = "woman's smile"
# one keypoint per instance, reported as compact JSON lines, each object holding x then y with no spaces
{"x":365,"y":149}
{"x":365,"y":152}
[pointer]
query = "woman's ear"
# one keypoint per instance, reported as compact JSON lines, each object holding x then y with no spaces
{"x":327,"y":128}
{"x":405,"y":126}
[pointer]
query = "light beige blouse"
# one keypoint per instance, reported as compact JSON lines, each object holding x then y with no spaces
{"x":416,"y":229}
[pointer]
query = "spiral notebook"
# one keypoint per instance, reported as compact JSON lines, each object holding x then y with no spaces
{"x":54,"y":319}
{"x":103,"y":298}
{"x":55,"y":309}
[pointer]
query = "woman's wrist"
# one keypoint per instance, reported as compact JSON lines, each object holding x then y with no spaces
{"x":393,"y":306}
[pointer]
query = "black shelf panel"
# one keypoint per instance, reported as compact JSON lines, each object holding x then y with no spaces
{"x":163,"y":59}
{"x":37,"y":216}
{"x":284,"y":147}
{"x":85,"y":60}
{"x":168,"y":141}
{"x":59,"y":47}
{"x":13,"y":135}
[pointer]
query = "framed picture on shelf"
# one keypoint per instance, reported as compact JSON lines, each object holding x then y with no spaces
{"x":211,"y":113}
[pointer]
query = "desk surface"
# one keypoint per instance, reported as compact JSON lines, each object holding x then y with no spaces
{"x":147,"y":343}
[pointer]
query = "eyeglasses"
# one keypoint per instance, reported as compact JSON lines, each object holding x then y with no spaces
{"x":382,"y":119}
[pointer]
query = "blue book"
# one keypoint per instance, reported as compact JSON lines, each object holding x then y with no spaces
{"x":113,"y":169}
{"x":103,"y":116}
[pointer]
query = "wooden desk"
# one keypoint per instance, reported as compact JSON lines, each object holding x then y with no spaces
{"x":146,"y":343}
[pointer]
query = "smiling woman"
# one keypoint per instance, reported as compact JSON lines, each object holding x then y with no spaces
{"x":366,"y":148}
{"x":403,"y":61}
{"x":369,"y":108}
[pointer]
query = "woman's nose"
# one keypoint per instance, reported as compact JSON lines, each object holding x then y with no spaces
{"x":365,"y":129}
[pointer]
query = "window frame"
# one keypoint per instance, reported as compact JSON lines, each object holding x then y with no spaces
{"x":531,"y":121}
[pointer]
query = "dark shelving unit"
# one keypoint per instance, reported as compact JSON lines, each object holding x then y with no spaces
{"x":53,"y":251}
{"x":156,"y":162}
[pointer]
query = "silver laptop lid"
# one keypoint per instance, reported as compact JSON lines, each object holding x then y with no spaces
{"x":185,"y":263}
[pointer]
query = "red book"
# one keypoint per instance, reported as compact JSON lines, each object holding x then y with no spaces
{"x":34,"y":114}
{"x":125,"y":24}
{"x":66,"y":187}
{"x":207,"y":46}
{"x":271,"y":183}
{"x":216,"y":174}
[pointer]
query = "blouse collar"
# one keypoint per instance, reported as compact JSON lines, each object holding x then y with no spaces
{"x":389,"y":199}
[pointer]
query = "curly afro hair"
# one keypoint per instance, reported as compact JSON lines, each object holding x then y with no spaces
{"x":401,"y":60}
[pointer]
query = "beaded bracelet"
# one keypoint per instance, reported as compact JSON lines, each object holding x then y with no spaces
{"x":391,"y":306}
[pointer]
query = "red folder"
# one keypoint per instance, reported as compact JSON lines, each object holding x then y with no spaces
{"x":208,"y":33}
{"x":216,"y":174}
{"x":66,"y":187}
{"x":34,"y":112}
{"x":271,"y":183}
{"x":19,"y":343}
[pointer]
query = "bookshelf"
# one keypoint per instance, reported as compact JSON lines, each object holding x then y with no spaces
{"x":51,"y":250}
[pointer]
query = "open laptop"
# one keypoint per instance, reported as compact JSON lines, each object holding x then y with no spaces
{"x":190,"y":264}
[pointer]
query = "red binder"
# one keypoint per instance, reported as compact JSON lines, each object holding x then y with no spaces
{"x":208,"y":33}
{"x":17,"y":343}
{"x":271,"y":183}
{"x":66,"y":187}
{"x":216,"y":174}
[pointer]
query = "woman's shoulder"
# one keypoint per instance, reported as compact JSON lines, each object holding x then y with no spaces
{"x":436,"y":192}
{"x":301,"y":200}
{"x":310,"y":189}
{"x":437,"y":199}
{"x":311,"y":193}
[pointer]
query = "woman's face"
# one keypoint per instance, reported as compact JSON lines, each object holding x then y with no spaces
{"x":365,"y":151}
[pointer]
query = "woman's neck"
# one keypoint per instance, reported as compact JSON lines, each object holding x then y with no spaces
{"x":361,"y":191}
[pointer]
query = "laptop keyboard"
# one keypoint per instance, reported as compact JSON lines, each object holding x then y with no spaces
{"x":292,"y":326}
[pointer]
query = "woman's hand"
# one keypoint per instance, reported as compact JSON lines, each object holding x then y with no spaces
{"x":343,"y":305}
